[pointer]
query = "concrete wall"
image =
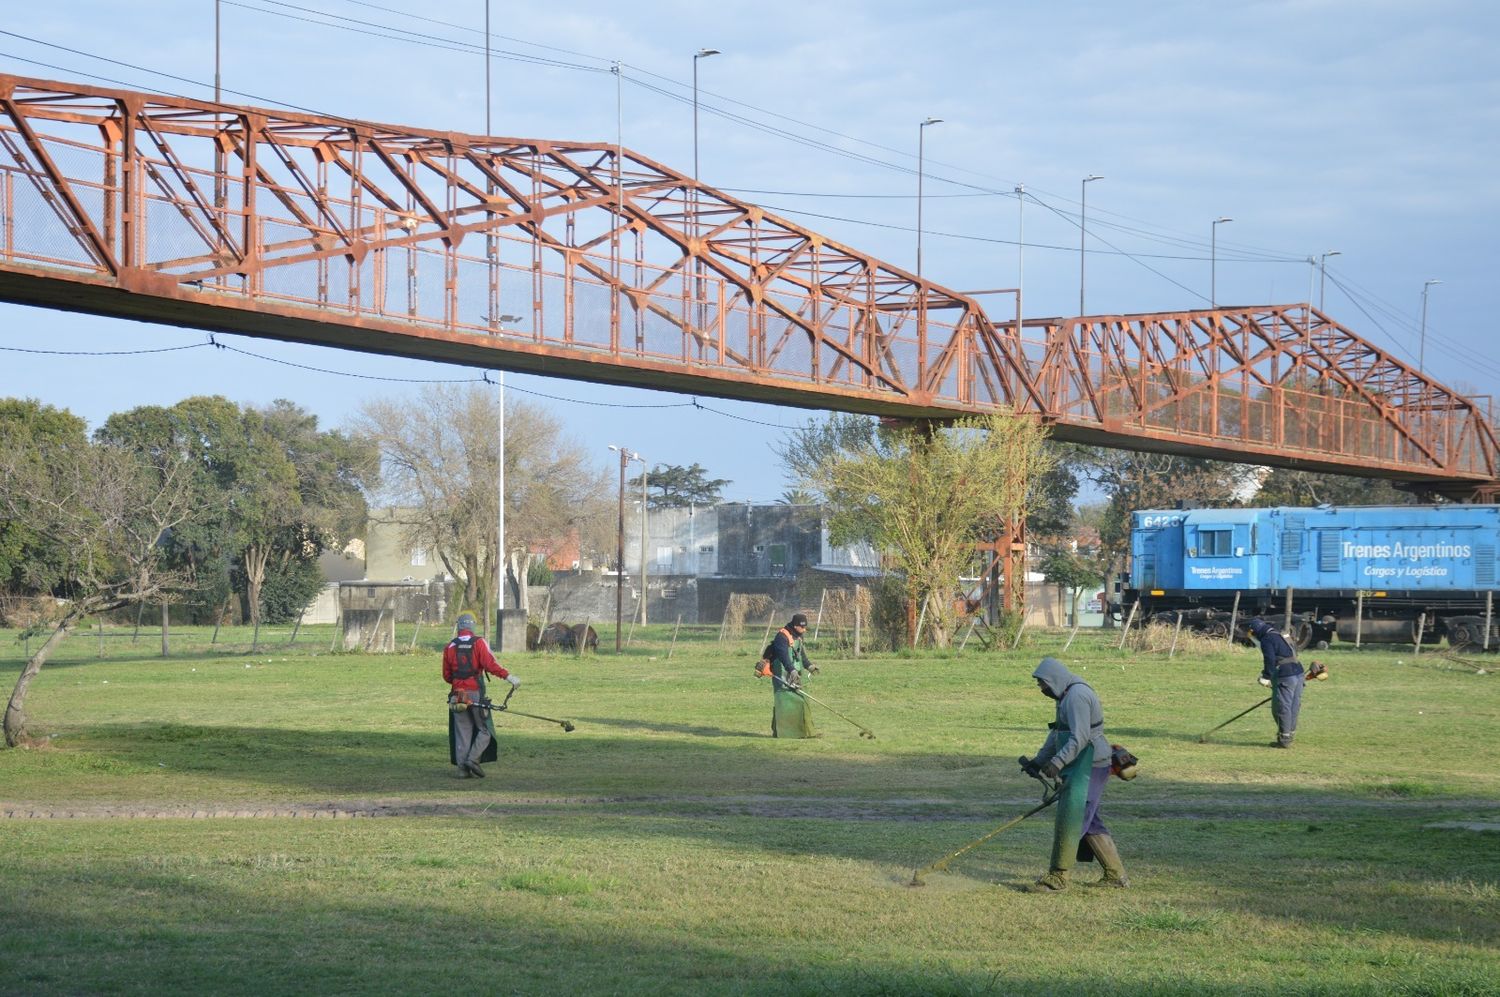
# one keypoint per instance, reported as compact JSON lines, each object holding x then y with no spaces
{"x":406,"y":603}
{"x":584,"y":595}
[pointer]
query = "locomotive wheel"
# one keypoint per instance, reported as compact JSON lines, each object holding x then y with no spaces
{"x":1302,"y":636}
{"x":1465,"y":634}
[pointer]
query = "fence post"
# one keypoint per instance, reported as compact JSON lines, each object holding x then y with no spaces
{"x":673,"y":645}
{"x":856,"y":621}
{"x":1421,"y":626}
{"x":1489,"y":606}
{"x":1175,"y":631}
{"x":770,"y":622}
{"x":1131,"y":619}
{"x":1234,"y":616}
{"x":1077,"y":622}
{"x":973,"y":622}
{"x":1359,"y":617}
{"x":724,"y":621}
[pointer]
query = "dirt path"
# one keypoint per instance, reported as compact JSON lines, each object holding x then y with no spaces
{"x":808,"y":808}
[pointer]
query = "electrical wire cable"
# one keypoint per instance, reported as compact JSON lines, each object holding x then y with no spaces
{"x":104,"y":353}
{"x":1443,"y":344}
{"x":214,"y":342}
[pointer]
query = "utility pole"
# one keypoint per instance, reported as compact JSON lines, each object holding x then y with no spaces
{"x":644,"y":590}
{"x":625,"y":457}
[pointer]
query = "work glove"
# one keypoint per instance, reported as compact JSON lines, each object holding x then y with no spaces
{"x":812,"y":669}
{"x":515,"y":683}
{"x":1264,"y":681}
{"x":1029,"y":767}
{"x":1051,"y":771}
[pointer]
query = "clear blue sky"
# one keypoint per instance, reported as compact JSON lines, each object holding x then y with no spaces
{"x":1370,"y":127}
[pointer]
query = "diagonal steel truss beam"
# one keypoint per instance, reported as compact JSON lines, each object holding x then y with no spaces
{"x":357,"y":234}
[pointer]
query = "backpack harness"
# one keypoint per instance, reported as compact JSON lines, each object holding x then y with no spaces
{"x":463,"y":655}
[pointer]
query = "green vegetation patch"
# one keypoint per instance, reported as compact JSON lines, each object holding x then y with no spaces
{"x":670,"y":846}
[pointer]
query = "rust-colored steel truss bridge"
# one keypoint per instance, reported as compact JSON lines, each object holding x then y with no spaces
{"x":585,"y":260}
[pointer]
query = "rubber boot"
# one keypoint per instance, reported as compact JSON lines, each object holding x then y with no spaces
{"x":1283,"y":741}
{"x":1055,"y":881}
{"x":1109,"y":859}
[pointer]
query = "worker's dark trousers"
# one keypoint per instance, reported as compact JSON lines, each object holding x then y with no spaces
{"x":1286,"y":701}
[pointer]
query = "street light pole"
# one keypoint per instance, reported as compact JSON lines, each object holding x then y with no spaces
{"x":217,"y":18}
{"x":625,"y":456}
{"x":1083,"y":230}
{"x":1422,"y":342}
{"x":702,"y":53}
{"x":1020,"y":252}
{"x":1323,"y":273}
{"x":921,"y":153}
{"x":1213,"y":261}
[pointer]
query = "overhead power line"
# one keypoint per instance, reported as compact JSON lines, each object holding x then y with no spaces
{"x":1099,"y":219}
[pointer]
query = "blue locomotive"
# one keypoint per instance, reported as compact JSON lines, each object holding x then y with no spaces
{"x":1379,"y":574}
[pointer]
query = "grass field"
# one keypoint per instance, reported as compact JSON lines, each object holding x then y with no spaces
{"x":287,"y":822}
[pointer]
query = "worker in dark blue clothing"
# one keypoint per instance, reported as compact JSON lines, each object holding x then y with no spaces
{"x":1282,"y":672}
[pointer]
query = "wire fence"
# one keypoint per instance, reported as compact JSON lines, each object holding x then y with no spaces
{"x":656,"y":642}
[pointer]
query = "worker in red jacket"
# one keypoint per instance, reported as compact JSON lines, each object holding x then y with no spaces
{"x":471,"y":728}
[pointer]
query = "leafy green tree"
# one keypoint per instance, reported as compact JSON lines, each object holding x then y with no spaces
{"x":1309,"y":488}
{"x":1134,"y":480}
{"x":1071,"y":571}
{"x":203,"y":545}
{"x":1050,"y":512}
{"x":33,"y":433}
{"x":291,"y":585}
{"x":271,"y":490}
{"x":672,"y":486}
{"x":103,"y":512}
{"x":926,"y":495}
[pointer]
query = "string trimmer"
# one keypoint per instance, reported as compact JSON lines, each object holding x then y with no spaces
{"x":1315,"y":672}
{"x":504,"y":707}
{"x":784,"y":684}
{"x":1050,"y":791}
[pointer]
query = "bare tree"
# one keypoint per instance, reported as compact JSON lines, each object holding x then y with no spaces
{"x":440,"y":459}
{"x":106,"y":510}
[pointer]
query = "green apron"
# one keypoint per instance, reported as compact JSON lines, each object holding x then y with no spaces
{"x":1072,"y":803}
{"x":491,"y":751}
{"x":790,"y":716}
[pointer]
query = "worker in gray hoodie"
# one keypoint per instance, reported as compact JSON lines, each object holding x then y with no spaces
{"x":1077,"y":752}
